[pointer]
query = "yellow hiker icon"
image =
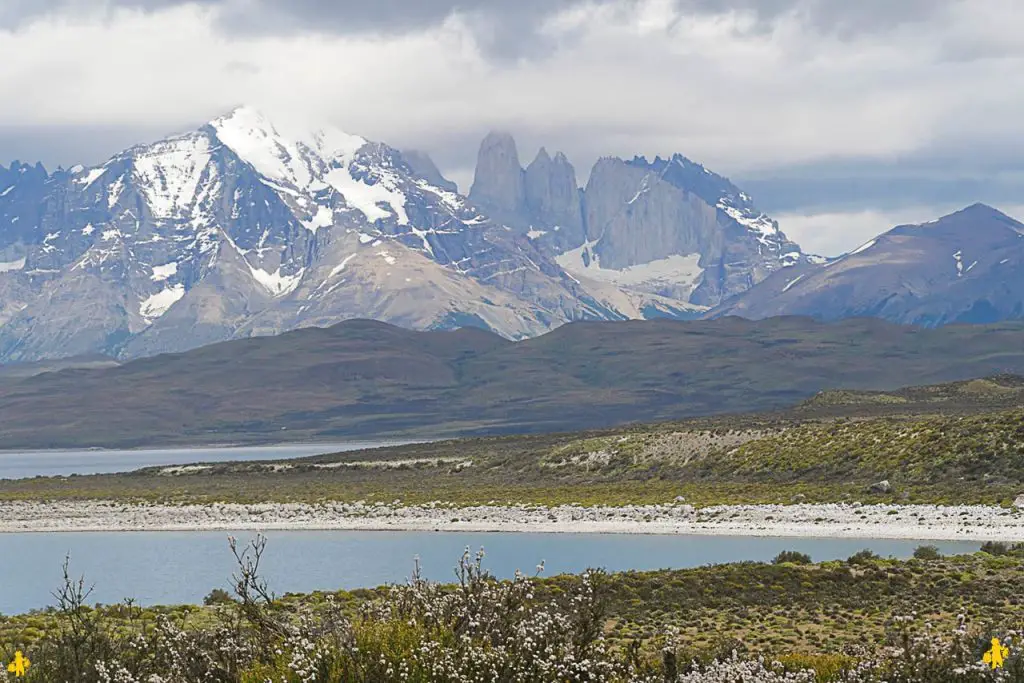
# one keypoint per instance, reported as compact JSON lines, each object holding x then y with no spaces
{"x":19,"y":665}
{"x":996,"y":655}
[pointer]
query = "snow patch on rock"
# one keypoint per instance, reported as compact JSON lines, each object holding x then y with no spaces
{"x":672,"y":270}
{"x":763,"y":227}
{"x":367,"y":198}
{"x":864,"y":247}
{"x":323,"y":218}
{"x":161,"y":273}
{"x":341,"y":266}
{"x":277,"y":284}
{"x":92,"y":176}
{"x":10,"y":266}
{"x":156,"y":305}
{"x":789,"y":285}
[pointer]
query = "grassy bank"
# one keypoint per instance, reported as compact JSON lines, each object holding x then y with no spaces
{"x":952,"y":458}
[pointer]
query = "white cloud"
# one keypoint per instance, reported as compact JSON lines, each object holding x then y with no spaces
{"x":176,"y":67}
{"x":726,"y":88}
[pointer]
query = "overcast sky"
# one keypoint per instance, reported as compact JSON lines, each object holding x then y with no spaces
{"x":840,"y":117}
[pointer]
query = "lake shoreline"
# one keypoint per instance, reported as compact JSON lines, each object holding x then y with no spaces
{"x":363,"y":444}
{"x":22,"y":465}
{"x":829,"y":520}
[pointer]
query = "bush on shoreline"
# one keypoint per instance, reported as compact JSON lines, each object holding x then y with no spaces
{"x":478,"y":629}
{"x":792,"y":556}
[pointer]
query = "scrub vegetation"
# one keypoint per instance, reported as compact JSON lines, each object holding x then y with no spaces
{"x":924,"y":458}
{"x":860,"y":620}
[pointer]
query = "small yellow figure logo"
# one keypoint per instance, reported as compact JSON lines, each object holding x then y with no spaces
{"x":19,"y":665}
{"x":996,"y":656}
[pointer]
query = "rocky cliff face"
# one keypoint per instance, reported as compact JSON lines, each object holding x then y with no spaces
{"x":667,"y":228}
{"x":21,"y":188}
{"x":966,"y":267}
{"x":544,"y":199}
{"x":424,"y":167}
{"x":554,"y":202}
{"x":499,"y":186}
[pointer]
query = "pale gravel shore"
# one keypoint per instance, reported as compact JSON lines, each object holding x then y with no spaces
{"x":923,"y":522}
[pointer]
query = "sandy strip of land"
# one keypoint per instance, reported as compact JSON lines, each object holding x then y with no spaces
{"x":924,"y":522}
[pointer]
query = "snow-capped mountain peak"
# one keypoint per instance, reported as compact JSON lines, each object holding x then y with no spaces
{"x":310,"y":167}
{"x":285,"y":154}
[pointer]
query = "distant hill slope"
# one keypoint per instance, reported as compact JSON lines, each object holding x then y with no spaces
{"x":18,"y":370}
{"x":983,"y":394}
{"x":967,"y":267}
{"x":368,"y":378}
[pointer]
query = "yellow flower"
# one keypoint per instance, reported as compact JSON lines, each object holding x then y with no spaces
{"x":997,"y":655}
{"x":19,"y":665}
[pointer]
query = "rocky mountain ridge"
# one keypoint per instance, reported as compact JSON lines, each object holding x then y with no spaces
{"x":967,"y":267}
{"x":667,"y":227}
{"x":245,"y":227}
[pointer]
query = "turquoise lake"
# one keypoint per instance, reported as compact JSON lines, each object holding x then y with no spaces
{"x":182,"y":567}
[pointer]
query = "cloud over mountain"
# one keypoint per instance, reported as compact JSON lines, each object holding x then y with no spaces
{"x":910,"y":91}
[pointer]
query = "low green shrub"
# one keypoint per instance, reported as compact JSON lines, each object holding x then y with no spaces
{"x":863,"y":557}
{"x":793,"y":557}
{"x":927,"y":552}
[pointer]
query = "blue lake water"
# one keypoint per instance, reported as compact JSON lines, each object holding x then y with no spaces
{"x":23,"y":464}
{"x":176,"y":568}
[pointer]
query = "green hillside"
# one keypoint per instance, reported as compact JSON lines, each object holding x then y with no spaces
{"x":367,"y":379}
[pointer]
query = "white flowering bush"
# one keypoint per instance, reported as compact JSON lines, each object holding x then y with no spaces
{"x":477,"y":630}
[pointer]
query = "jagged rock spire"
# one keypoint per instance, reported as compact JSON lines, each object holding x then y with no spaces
{"x":499,"y":183}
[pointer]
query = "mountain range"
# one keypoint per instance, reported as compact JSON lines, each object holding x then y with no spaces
{"x":250,"y":227}
{"x":247,"y":227}
{"x":368,"y":378}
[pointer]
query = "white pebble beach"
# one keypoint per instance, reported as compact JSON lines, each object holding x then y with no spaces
{"x":924,"y":522}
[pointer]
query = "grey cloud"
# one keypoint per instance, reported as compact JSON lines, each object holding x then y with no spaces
{"x":842,"y":17}
{"x":881,"y":189}
{"x":513,"y":16}
{"x":511,"y":20}
{"x":384,"y":16}
{"x":14,"y":13}
{"x":505,"y":27}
